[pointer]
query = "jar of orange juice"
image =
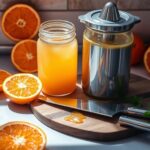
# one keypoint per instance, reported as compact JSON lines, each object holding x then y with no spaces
{"x":57,"y":57}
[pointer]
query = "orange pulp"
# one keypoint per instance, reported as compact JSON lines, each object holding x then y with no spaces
{"x":75,"y":117}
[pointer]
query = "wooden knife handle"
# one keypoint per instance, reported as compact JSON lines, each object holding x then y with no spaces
{"x":135,"y":122}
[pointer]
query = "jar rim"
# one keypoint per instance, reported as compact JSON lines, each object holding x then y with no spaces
{"x":51,"y":22}
{"x":57,"y":31}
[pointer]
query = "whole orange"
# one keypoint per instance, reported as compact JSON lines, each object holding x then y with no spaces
{"x":138,"y":50}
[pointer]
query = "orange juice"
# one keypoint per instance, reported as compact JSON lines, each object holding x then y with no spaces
{"x":57,"y":65}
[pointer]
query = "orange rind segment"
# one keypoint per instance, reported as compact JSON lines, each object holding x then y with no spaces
{"x":147,"y":60}
{"x":3,"y":75}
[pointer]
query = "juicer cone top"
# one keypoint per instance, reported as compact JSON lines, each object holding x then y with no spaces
{"x":109,"y":19}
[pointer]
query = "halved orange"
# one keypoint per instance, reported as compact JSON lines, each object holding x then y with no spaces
{"x":24,"y":56}
{"x":20,"y":21}
{"x":3,"y":75}
{"x":22,"y":88}
{"x":19,"y":135}
{"x":147,"y":59}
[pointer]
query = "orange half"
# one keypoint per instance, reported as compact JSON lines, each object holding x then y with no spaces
{"x":21,"y":136}
{"x":22,"y":88}
{"x":20,"y":22}
{"x":24,"y":56}
{"x":3,"y":75}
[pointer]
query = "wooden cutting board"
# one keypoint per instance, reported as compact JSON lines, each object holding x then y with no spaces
{"x":94,"y":127}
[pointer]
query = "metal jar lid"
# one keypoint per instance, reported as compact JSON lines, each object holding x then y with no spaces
{"x":109,"y":19}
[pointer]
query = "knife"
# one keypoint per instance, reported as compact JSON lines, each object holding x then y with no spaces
{"x":127,"y":115}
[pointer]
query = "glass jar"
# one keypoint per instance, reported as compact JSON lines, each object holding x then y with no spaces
{"x":57,"y":57}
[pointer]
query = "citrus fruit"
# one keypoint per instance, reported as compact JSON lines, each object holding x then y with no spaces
{"x":19,"y":135}
{"x":147,"y":59}
{"x":138,"y":50}
{"x":3,"y":75}
{"x":22,"y":88}
{"x":20,"y":21}
{"x":24,"y":56}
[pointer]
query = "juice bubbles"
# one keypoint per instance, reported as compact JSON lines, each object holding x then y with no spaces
{"x":57,"y":58}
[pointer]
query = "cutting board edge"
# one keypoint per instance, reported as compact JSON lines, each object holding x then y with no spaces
{"x":88,"y":135}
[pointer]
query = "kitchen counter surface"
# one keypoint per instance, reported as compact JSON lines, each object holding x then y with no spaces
{"x":57,"y":140}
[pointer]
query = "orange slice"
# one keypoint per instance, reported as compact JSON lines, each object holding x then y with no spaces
{"x":22,"y":88}
{"x":147,"y":59}
{"x":21,"y":136}
{"x":20,"y":22}
{"x":24,"y":56}
{"x":3,"y":75}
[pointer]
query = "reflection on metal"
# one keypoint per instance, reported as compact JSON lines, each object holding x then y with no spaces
{"x":105,"y":108}
{"x":108,"y":71}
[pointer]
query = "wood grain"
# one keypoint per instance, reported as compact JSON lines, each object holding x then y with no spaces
{"x":99,"y":4}
{"x":93,"y":127}
{"x":38,"y":4}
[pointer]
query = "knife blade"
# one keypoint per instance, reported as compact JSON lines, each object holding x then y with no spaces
{"x":105,"y":108}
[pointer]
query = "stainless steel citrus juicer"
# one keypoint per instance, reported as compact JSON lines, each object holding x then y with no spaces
{"x":107,"y":44}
